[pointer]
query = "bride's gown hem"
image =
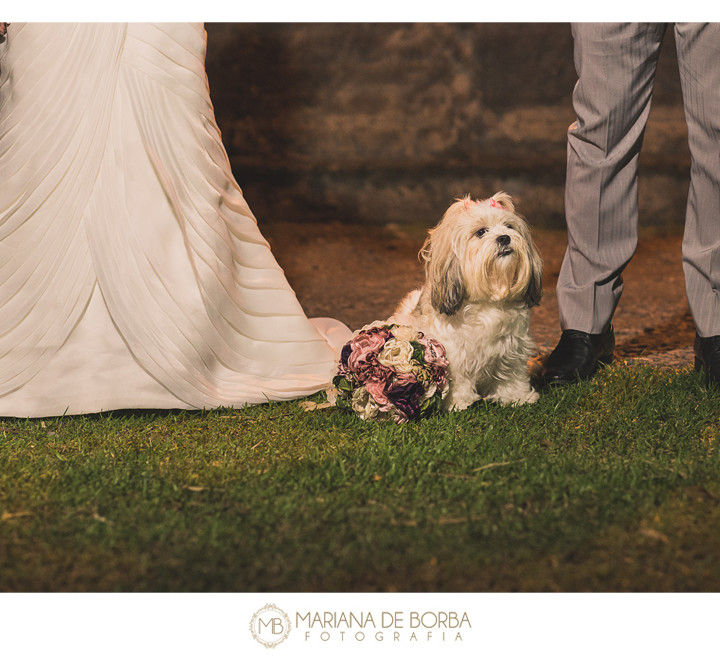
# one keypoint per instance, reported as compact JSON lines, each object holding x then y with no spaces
{"x":133,"y":274}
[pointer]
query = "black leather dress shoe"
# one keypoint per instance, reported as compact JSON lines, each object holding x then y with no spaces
{"x":577,"y":356}
{"x":707,"y":358}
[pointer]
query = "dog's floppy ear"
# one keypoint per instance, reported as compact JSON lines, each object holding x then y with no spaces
{"x":443,"y":273}
{"x":533,"y":294}
{"x":447,"y":291}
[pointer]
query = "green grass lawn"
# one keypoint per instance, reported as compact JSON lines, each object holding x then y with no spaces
{"x":611,"y":485}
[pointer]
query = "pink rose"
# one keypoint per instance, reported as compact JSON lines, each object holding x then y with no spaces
{"x":377,"y":390}
{"x":365,"y":347}
{"x":377,"y":379}
{"x":403,"y":379}
{"x":434,"y":352}
{"x":436,"y":359}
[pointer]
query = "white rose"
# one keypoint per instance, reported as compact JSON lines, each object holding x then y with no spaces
{"x":430,"y":392}
{"x":397,"y":354}
{"x":372,"y":325}
{"x":404,"y":332}
{"x":364,"y":404}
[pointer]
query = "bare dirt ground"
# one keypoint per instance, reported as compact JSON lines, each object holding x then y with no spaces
{"x":358,"y":274}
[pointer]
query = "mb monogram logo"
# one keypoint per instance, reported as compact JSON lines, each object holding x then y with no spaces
{"x":270,"y":626}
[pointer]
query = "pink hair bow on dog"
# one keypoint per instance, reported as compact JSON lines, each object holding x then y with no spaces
{"x":495,"y":204}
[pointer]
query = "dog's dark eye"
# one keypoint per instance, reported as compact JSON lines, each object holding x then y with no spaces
{"x":480,"y":232}
{"x":510,"y":226}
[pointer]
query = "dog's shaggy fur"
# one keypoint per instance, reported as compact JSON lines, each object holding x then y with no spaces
{"x":483,"y":274}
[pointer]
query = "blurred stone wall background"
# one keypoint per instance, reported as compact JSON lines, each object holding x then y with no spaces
{"x":388,"y":123}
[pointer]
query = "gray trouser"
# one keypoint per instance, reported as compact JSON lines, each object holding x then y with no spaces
{"x":616,"y":65}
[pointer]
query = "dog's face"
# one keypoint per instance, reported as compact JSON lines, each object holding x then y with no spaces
{"x":482,"y":251}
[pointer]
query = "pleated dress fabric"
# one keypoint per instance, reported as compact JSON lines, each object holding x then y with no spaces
{"x":132,"y":271}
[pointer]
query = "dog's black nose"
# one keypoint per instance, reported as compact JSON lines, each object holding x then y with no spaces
{"x":503,"y":240}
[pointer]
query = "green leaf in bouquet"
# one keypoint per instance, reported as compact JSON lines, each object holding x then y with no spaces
{"x":418,"y":352}
{"x":432,"y":405}
{"x":344,"y":402}
{"x":342,"y":384}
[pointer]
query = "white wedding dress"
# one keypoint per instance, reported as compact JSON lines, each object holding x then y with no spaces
{"x":132,"y":272}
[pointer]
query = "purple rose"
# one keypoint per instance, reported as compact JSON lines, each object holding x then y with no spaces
{"x":405,"y":393}
{"x":345,"y":354}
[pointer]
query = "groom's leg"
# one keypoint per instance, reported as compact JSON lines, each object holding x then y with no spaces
{"x":616,"y":65}
{"x":698,"y":47}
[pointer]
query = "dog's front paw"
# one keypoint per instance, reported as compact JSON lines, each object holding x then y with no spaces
{"x":532,"y":397}
{"x":516,"y":395}
{"x":459,"y":406}
{"x":457,"y":400}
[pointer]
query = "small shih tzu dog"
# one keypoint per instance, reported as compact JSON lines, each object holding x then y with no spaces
{"x":483,"y":274}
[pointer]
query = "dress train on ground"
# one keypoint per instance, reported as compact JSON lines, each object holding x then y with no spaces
{"x":132,"y":271}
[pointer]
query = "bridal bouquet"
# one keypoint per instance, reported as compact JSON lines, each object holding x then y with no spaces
{"x":390,"y":371}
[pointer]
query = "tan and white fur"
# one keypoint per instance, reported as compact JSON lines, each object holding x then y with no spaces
{"x":483,"y":274}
